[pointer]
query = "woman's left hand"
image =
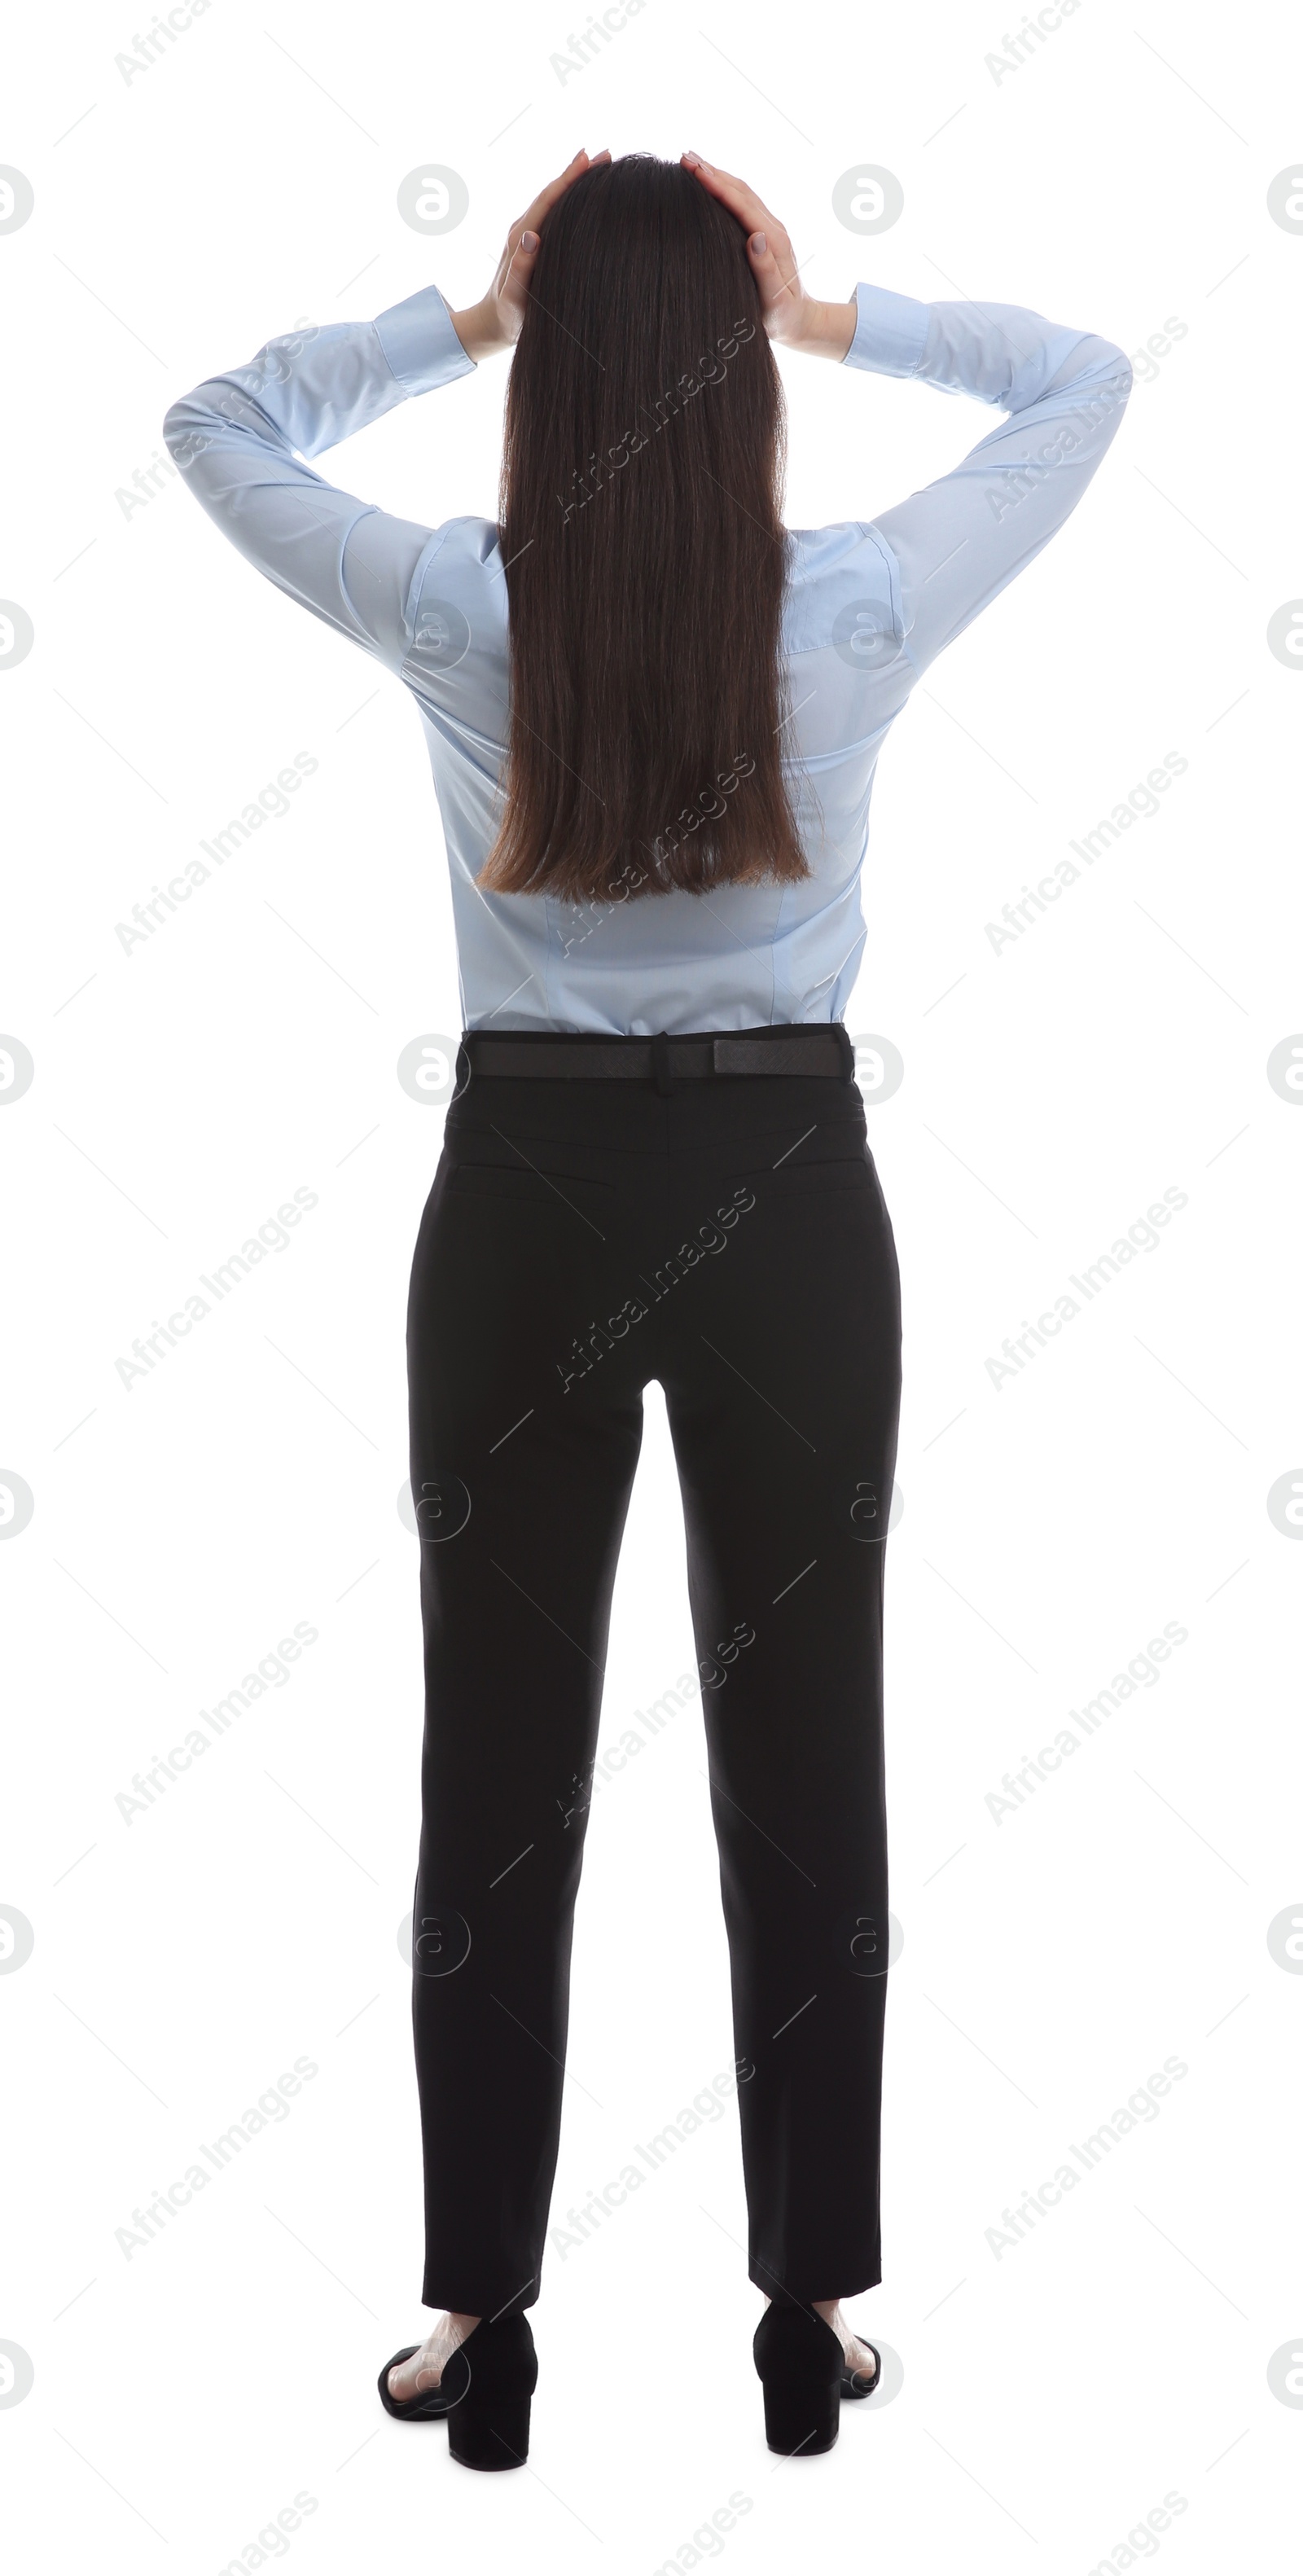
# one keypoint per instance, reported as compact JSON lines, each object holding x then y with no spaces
{"x":495,"y":322}
{"x":801,"y":321}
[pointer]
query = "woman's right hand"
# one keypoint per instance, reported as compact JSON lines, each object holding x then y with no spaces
{"x":495,"y":322}
{"x":799,"y":320}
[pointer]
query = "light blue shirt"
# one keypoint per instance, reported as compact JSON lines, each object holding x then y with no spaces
{"x":868,"y":607}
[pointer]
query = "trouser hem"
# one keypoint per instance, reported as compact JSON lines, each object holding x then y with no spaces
{"x":773,"y":2288}
{"x":461,"y":2298}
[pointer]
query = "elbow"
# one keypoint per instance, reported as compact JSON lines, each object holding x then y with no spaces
{"x":1102,"y":390}
{"x":186,"y":431}
{"x":1113,"y":370}
{"x":1098,"y":365}
{"x":1117,"y":391}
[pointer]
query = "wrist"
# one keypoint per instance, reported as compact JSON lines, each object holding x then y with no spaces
{"x":825,"y":330}
{"x":479,"y":329}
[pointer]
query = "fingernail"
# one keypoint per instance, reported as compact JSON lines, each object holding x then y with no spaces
{"x":529,"y":241}
{"x":693,"y":160}
{"x":758,"y":244}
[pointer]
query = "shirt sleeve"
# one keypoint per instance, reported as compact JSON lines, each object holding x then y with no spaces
{"x":959,"y":541}
{"x":238,"y":440}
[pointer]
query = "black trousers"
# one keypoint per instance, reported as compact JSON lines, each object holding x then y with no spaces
{"x":731,"y":1241}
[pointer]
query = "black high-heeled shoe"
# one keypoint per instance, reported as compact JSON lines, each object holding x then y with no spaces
{"x":484,"y":2391}
{"x":805,"y":2375}
{"x":801,"y":2365}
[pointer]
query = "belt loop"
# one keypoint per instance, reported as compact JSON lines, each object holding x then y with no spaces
{"x":848,"y":1051}
{"x":660,"y":1047}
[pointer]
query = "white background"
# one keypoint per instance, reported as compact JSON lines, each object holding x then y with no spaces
{"x":1051,"y":2394}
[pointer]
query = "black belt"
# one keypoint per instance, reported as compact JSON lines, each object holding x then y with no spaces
{"x":825,"y":1049}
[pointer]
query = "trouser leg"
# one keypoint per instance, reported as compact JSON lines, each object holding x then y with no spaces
{"x":783,"y":1403}
{"x":521,"y":1494}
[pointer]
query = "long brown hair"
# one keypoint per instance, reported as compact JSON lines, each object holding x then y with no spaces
{"x":644,"y":554}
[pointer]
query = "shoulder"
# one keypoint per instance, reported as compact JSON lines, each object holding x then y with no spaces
{"x":462,"y":550}
{"x":458,"y":596}
{"x":843,"y":588}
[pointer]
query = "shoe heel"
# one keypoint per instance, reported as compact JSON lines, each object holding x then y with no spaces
{"x":799,"y":2360}
{"x":493,"y":2435}
{"x":802,"y":2420}
{"x":491,"y":2379}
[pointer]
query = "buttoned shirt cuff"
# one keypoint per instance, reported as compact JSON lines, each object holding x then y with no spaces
{"x":890,"y":332}
{"x":421,"y":347}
